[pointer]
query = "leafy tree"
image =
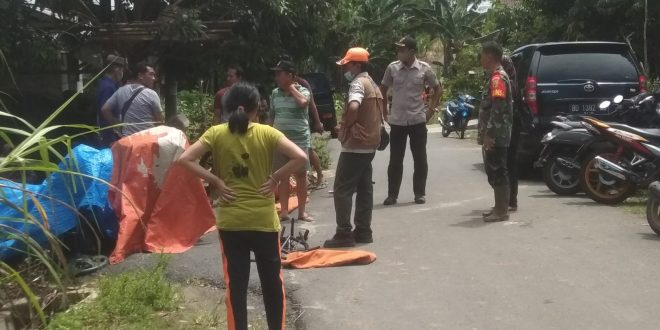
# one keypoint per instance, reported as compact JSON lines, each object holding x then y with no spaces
{"x":574,"y":20}
{"x":455,"y":23}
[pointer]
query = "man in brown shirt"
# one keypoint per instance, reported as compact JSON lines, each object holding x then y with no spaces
{"x":359,"y":134}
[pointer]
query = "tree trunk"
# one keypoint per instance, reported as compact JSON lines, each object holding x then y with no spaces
{"x":448,"y":58}
{"x":646,"y":23}
{"x":171,"y":85}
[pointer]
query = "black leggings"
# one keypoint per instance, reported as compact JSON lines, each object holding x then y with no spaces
{"x":236,"y":247}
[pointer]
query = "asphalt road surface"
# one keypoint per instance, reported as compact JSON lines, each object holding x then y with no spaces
{"x":559,"y":263}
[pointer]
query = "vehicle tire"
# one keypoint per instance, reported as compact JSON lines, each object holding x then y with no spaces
{"x":464,"y":125}
{"x":558,"y":181}
{"x":445,"y":132}
{"x":599,"y":188}
{"x":653,"y":213}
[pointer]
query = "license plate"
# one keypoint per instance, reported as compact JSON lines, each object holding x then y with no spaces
{"x":582,"y":108}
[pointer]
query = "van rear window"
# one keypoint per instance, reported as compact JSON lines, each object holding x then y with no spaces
{"x":598,"y":66}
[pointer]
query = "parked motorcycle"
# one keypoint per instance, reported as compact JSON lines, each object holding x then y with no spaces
{"x":559,"y":160}
{"x":611,"y":177}
{"x":569,"y":144}
{"x":456,"y":115}
{"x":653,"y":207}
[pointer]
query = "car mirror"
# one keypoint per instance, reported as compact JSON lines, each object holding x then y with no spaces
{"x":618,"y":99}
{"x":604,"y":105}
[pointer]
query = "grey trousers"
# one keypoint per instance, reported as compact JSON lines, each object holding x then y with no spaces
{"x":353,"y":176}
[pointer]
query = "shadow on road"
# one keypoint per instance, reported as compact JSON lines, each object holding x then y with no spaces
{"x":381,"y":206}
{"x":476,"y":222}
{"x":552,"y":195}
{"x":587,"y":202}
{"x":650,"y":236}
{"x":479,"y":167}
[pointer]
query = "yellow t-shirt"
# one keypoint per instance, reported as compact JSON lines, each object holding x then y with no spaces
{"x":244,"y":162}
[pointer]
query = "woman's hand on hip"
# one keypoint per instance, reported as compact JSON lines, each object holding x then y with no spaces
{"x":222,"y":191}
{"x":269,"y":187}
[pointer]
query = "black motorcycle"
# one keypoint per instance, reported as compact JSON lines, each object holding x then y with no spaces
{"x":569,"y":145}
{"x":559,"y":157}
{"x":653,"y":207}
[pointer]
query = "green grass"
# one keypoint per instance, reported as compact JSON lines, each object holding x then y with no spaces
{"x":637,"y":203}
{"x":132,"y":300}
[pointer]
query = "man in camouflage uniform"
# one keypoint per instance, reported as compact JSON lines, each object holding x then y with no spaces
{"x":495,"y":123}
{"x":516,"y":127}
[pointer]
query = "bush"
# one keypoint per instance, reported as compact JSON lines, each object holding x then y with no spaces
{"x":198,"y":107}
{"x":125,"y":301}
{"x":340,"y":103}
{"x":460,"y":81}
{"x":320,"y":145}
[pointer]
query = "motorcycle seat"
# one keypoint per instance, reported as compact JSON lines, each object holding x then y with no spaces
{"x":648,"y":133}
{"x":573,"y":124}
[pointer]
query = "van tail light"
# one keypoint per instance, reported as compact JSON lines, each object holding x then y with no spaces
{"x":642,"y":84}
{"x":530,"y":93}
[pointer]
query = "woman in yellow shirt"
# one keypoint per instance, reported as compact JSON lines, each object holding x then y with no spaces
{"x":247,"y":221}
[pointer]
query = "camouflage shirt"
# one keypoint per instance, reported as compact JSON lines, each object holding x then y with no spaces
{"x":496,"y":113}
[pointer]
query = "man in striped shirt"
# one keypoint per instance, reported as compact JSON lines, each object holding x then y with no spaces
{"x":289,"y":115}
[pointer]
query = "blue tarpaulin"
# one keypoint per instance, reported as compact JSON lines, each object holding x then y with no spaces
{"x":62,"y":197}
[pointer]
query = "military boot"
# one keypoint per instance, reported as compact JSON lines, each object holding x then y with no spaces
{"x":501,"y":210}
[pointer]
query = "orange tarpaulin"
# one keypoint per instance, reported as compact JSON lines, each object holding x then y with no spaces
{"x":327,"y":258}
{"x":161,"y":208}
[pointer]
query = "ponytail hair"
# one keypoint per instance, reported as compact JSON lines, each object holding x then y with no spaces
{"x":240,"y":102}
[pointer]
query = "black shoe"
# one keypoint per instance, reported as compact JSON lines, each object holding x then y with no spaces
{"x":363,"y":237}
{"x":340,"y":240}
{"x":420,"y":200}
{"x":513,"y":208}
{"x":497,"y":217}
{"x":488,"y":213}
{"x":389,"y":201}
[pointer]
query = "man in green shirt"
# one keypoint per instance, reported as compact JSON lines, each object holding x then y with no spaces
{"x":289,"y":115}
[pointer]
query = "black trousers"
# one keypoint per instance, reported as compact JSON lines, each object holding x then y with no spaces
{"x":495,"y":161}
{"x":398,"y":138}
{"x":512,"y":162}
{"x":236,"y":247}
{"x":353,"y":176}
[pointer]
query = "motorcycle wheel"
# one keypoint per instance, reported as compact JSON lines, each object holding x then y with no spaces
{"x":601,"y":189}
{"x":464,"y":124}
{"x":558,"y":180}
{"x":445,"y":132}
{"x":653,"y":213}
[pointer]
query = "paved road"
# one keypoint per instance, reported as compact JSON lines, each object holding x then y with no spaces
{"x":560,"y":263}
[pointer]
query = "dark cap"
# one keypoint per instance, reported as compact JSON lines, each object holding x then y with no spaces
{"x":114,"y":59}
{"x":286,"y":66}
{"x":408,"y":42}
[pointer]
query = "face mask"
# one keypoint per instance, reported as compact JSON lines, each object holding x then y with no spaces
{"x":348,"y":75}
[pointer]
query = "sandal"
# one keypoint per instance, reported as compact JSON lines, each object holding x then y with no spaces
{"x":319,"y":186}
{"x":306,"y":218}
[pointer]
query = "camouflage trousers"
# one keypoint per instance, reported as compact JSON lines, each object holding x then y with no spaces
{"x":495,"y":163}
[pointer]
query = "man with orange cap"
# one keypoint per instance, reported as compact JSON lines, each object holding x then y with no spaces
{"x":359,"y":134}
